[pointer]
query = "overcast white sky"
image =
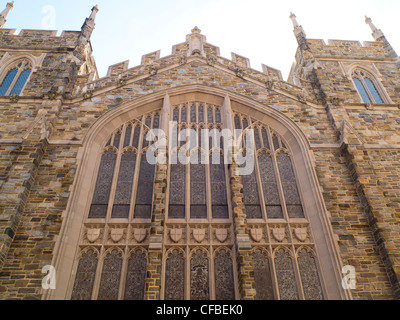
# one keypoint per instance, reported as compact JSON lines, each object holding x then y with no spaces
{"x":258,"y":29}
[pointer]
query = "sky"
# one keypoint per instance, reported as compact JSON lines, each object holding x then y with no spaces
{"x":257,"y":29}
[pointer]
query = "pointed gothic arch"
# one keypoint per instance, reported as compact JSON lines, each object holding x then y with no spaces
{"x":67,"y":247}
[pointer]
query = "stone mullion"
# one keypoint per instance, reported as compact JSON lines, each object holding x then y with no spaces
{"x":245,"y":270}
{"x":15,"y":191}
{"x":155,"y":254}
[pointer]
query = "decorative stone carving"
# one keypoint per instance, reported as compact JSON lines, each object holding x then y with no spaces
{"x":175,"y":235}
{"x":88,"y":94}
{"x":153,"y":70}
{"x":52,"y":95}
{"x":116,"y":235}
{"x":269,"y":84}
{"x":256,"y":234}
{"x":14,"y":98}
{"x":182,"y":60}
{"x":196,"y":42}
{"x":221,"y":235}
{"x":239,"y":72}
{"x":211,"y":60}
{"x":337,"y":101}
{"x":301,"y":234}
{"x":302,"y":98}
{"x":279,"y":234}
{"x":199,"y":235}
{"x":139,"y":234}
{"x":121,"y":82}
{"x":93,"y":235}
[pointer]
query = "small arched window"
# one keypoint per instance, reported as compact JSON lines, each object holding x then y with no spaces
{"x":15,"y":79}
{"x":367,"y":88}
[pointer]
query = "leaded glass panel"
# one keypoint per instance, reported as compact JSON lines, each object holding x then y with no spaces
{"x":262,"y":276}
{"x":269,"y":185}
{"x":219,"y":199}
{"x":85,"y":276}
{"x":144,"y":195}
{"x":224,"y":283}
{"x":110,"y":276}
{"x":177,"y":180}
{"x":289,"y":186}
{"x":309,"y":276}
{"x":199,"y":276}
{"x":198,"y":207}
{"x":103,"y":185}
{"x":285,"y":276}
{"x":175,"y":276}
{"x":136,"y":276}
{"x":124,"y":186}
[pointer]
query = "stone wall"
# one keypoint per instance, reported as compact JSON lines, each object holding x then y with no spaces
{"x":357,"y":165}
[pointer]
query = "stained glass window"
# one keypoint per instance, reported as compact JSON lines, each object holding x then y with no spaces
{"x":124,"y":186}
{"x":219,"y":198}
{"x":110,"y":276}
{"x":309,"y":276}
{"x":224,"y":283}
{"x":199,"y":276}
{"x":174,"y":276}
{"x":136,"y":276}
{"x":285,"y":276}
{"x":144,"y":194}
{"x":85,"y":276}
{"x":289,"y":185}
{"x":102,"y":190}
{"x":198,"y":208}
{"x":262,"y":276}
{"x":177,"y":184}
{"x":269,"y":185}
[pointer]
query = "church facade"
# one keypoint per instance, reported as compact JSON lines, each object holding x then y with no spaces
{"x":312,"y":213}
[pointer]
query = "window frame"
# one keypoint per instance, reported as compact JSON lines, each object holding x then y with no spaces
{"x":361,"y":75}
{"x":25,"y":65}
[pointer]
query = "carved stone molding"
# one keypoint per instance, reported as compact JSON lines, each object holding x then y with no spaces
{"x":139,"y":234}
{"x":256,"y":234}
{"x":279,"y":233}
{"x":221,"y":234}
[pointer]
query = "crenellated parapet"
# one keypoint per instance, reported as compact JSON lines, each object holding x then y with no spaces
{"x":38,"y":40}
{"x":347,"y":49}
{"x":194,"y":49}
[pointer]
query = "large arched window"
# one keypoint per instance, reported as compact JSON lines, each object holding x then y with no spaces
{"x":367,"y":87}
{"x":198,"y":255}
{"x":15,"y":78}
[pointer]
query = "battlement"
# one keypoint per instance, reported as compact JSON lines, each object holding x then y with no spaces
{"x":37,"y":39}
{"x":119,"y":73}
{"x":348,"y":49}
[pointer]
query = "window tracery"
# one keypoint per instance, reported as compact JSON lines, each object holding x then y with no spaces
{"x":16,"y":77}
{"x":367,"y":87}
{"x":199,"y":254}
